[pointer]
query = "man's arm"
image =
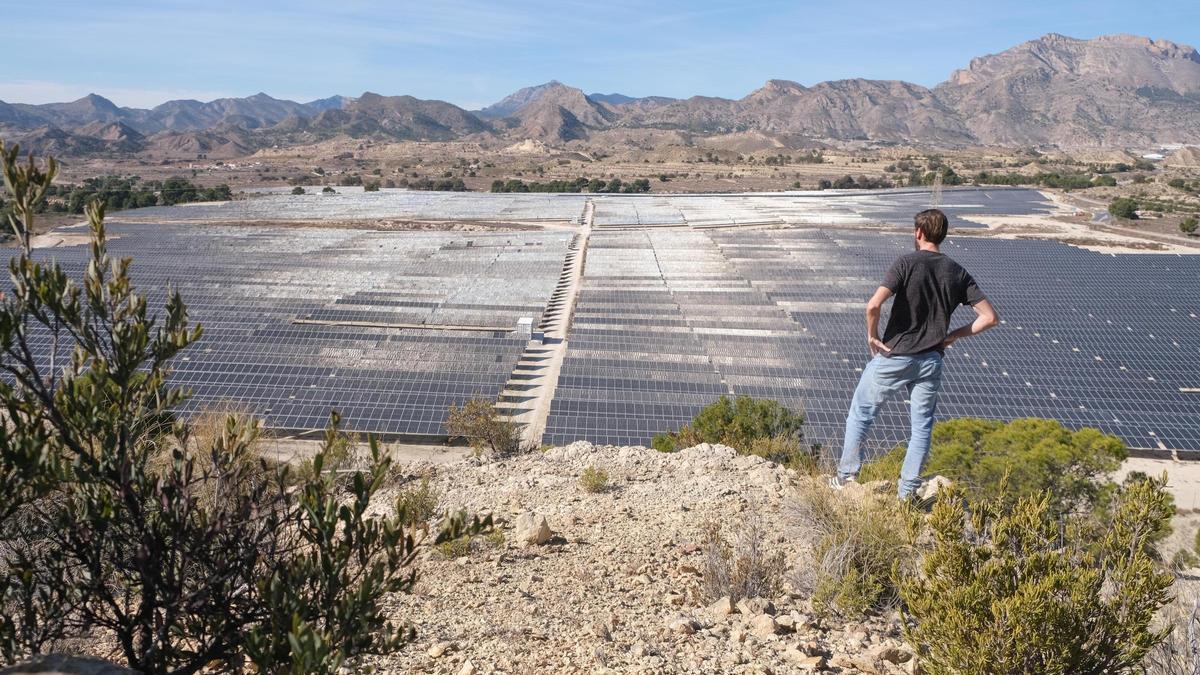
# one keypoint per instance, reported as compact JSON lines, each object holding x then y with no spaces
{"x":874,"y":307}
{"x":985,"y":318}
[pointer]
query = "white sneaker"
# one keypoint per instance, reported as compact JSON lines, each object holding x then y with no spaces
{"x":837,"y":483}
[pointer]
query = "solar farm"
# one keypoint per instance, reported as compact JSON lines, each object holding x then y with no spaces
{"x":645,"y":308}
{"x":667,"y":321}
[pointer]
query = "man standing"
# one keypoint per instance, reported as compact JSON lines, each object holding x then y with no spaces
{"x":928,"y":287}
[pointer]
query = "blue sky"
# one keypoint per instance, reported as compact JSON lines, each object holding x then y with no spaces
{"x":473,"y":52}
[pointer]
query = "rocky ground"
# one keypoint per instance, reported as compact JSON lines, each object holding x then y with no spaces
{"x":616,"y":582}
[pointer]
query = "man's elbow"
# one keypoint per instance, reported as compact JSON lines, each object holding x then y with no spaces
{"x":990,"y":320}
{"x":874,"y":308}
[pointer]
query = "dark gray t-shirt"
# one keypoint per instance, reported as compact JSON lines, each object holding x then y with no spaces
{"x":928,"y":287}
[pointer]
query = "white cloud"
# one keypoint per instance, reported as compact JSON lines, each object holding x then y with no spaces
{"x":37,"y":91}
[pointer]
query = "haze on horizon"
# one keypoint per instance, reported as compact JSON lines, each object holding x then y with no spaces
{"x":473,"y":53}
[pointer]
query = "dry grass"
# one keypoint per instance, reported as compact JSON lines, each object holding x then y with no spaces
{"x":1179,"y":654}
{"x":860,"y":539}
{"x":593,"y":480}
{"x":209,"y":425}
{"x":739,"y":564}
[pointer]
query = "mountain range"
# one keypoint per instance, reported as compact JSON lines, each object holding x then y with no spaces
{"x":1116,"y":91}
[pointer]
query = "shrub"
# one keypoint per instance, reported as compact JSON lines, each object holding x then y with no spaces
{"x":479,"y":423}
{"x":996,"y":460}
{"x":593,"y":480}
{"x":1124,"y":207}
{"x":418,"y":503}
{"x":328,"y":189}
{"x":740,"y":566}
{"x":1013,"y":591}
{"x":787,"y":450}
{"x":455,"y":548}
{"x":1189,"y":225}
{"x":297,"y":190}
{"x":857,"y":539}
{"x":335,"y":461}
{"x":1184,"y":559}
{"x":189,"y":551}
{"x":736,"y":423}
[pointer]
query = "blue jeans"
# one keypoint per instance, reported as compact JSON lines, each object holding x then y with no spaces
{"x":882,"y":379}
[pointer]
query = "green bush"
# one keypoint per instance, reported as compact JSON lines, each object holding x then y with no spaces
{"x":479,"y":423}
{"x":1188,"y":225}
{"x":1124,"y":207}
{"x":996,"y":460}
{"x":189,"y":552}
{"x":736,"y":423}
{"x":1015,"y":591}
{"x":297,"y":190}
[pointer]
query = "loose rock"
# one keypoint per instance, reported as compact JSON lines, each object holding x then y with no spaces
{"x":530,"y":528}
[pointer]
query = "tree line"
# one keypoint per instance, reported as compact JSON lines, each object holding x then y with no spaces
{"x":126,"y":192}
{"x":581,"y":184}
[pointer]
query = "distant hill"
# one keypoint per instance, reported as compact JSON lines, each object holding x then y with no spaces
{"x":1113,"y":91}
{"x":845,"y":109}
{"x":1117,"y":90}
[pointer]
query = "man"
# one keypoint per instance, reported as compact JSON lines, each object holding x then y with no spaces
{"x":928,"y":287}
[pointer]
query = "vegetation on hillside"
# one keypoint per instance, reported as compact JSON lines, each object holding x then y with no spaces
{"x":995,"y":460}
{"x":429,"y":184}
{"x":123,"y":192}
{"x":191,"y":552}
{"x":1011,"y":588}
{"x":1124,"y":207}
{"x":594,"y":185}
{"x":479,"y":423}
{"x":849,"y":182}
{"x":1063,"y":181}
{"x":751,"y":426}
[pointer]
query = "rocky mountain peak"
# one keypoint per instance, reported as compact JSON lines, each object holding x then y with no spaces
{"x":514,"y":102}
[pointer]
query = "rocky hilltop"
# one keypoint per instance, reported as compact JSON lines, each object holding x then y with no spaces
{"x":1118,"y":90}
{"x":1112,"y":91}
{"x":612,"y":582}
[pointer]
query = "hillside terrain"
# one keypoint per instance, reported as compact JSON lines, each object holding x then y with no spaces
{"x":616,"y":582}
{"x":1115,"y":91}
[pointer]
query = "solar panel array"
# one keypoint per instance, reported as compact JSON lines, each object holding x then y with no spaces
{"x":299,"y":321}
{"x":392,"y":327}
{"x":669,"y":320}
{"x":354,"y":204}
{"x":829,"y":208}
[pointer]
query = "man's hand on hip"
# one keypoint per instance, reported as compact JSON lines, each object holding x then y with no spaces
{"x":877,"y":346}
